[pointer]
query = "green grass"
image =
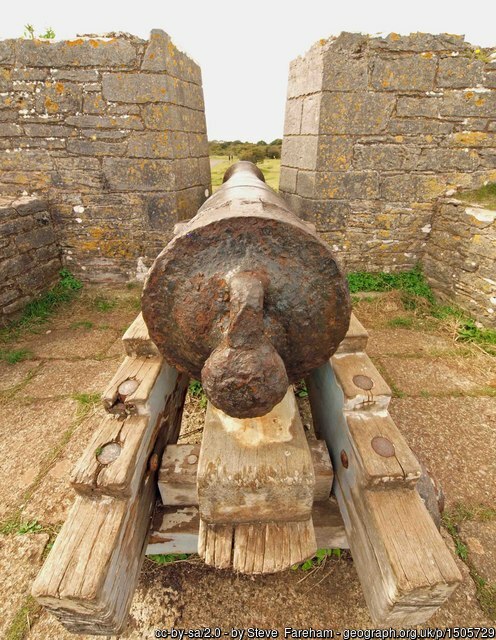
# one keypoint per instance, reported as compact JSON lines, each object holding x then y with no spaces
{"x":82,"y":324}
{"x":41,"y":309}
{"x":168,"y":558}
{"x":485,"y":195}
{"x":23,"y":620}
{"x":416,"y":295}
{"x":401,"y":321}
{"x":485,"y":591}
{"x":195,"y":389}
{"x":318,"y":559}
{"x":411,"y":283}
{"x":13,"y":356}
{"x":86,"y":401}
{"x":271,"y":169}
{"x":104,"y":304}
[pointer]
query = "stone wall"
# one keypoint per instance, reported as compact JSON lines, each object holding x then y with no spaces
{"x":112,"y":131}
{"x":460,"y":258}
{"x":29,"y":253}
{"x":376,"y":129}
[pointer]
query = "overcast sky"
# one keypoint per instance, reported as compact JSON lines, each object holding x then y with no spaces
{"x":244,"y":48}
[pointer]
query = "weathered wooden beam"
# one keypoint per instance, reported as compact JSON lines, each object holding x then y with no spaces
{"x":356,"y":337}
{"x":137,"y":341}
{"x":176,"y":529}
{"x":178,"y":472}
{"x":131,"y":389}
{"x":90,"y":574}
{"x":255,"y":469}
{"x":404,"y":567}
{"x":363,"y":386}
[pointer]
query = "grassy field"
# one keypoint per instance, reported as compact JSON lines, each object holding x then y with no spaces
{"x":219,"y":164}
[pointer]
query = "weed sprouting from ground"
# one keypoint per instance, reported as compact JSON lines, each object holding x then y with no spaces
{"x":452,"y":519}
{"x":485,"y":195}
{"x":195,"y":389}
{"x":401,"y":321}
{"x":103,"y":304}
{"x":86,"y":402}
{"x":13,"y":356}
{"x":318,"y":559}
{"x":168,"y":558}
{"x":82,"y":324}
{"x":41,"y":309}
{"x":23,"y":620}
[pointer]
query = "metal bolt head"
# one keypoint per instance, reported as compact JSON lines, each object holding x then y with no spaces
{"x":383,"y":447}
{"x":363,"y":382}
{"x":153,"y":463}
{"x":344,"y":459}
{"x":108,"y":453}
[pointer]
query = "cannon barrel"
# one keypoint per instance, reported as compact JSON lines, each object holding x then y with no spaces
{"x":246,"y":296}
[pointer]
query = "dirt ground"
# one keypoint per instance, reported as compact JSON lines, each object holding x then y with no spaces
{"x":444,"y":403}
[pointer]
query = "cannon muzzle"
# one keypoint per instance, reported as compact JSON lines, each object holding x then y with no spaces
{"x":246,"y":297}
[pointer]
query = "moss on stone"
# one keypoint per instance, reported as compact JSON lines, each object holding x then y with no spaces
{"x":484,"y":196}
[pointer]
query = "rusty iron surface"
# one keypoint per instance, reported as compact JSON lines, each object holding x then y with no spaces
{"x":246,"y":297}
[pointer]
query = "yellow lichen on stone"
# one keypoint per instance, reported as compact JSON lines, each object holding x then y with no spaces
{"x":50,"y":105}
{"x":470,"y":138}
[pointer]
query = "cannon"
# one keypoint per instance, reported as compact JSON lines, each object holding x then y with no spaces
{"x":247,"y":298}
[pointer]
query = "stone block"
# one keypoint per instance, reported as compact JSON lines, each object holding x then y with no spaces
{"x":287,"y":179}
{"x":188,"y":201}
{"x":198,"y":144}
{"x":305,"y":74}
{"x":350,"y":185}
{"x":82,"y":52}
{"x":36,"y":130}
{"x":300,"y":152}
{"x":160,"y":210}
{"x":441,"y":160}
{"x":418,"y":42}
{"x":383,"y":157}
{"x":310,"y":116}
{"x":342,"y":72}
{"x":25,"y":161}
{"x":418,"y":106}
{"x":471,"y":139}
{"x":460,"y":72}
{"x":292,"y":118}
{"x":75,"y":75}
{"x":162,"y":55}
{"x":416,"y":126}
{"x":106,"y":122}
{"x":187,"y":173}
{"x":7,"y":52}
{"x":139,"y":87}
{"x":26,"y":205}
{"x":126,"y":174}
{"x":59,"y":97}
{"x":94,"y":103}
{"x":355,"y":113}
{"x":12,"y":267}
{"x":159,"y":144}
{"x":305,"y":184}
{"x":9,"y":129}
{"x":412,"y":188}
{"x":477,"y":103}
{"x":334,"y":153}
{"x":5,"y":79}
{"x":82,"y":147}
{"x":35,"y":239}
{"x":331,"y":215}
{"x":412,"y":73}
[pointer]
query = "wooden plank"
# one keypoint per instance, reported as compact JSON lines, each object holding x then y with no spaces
{"x":178,"y":473}
{"x":137,"y":341}
{"x":89,"y":576}
{"x":355,"y":339}
{"x":130,"y":442}
{"x":391,"y":535}
{"x":363,"y":386}
{"x":322,"y":468}
{"x":145,"y":372}
{"x":176,"y":530}
{"x":257,"y":469}
{"x":382,"y":454}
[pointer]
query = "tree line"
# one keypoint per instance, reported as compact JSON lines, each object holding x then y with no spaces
{"x":252,"y":151}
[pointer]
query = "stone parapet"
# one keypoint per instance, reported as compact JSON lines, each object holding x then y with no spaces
{"x":111,"y":131}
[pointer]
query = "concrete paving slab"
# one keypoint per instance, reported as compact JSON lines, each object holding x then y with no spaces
{"x":397,"y":341}
{"x":20,"y":561}
{"x":68,"y":343}
{"x":480,"y":538}
{"x":28,"y":433}
{"x":437,"y":376}
{"x":63,"y":377}
{"x":13,"y":374}
{"x":456,"y":439}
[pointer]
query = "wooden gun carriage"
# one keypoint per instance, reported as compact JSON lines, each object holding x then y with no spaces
{"x":248,"y":299}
